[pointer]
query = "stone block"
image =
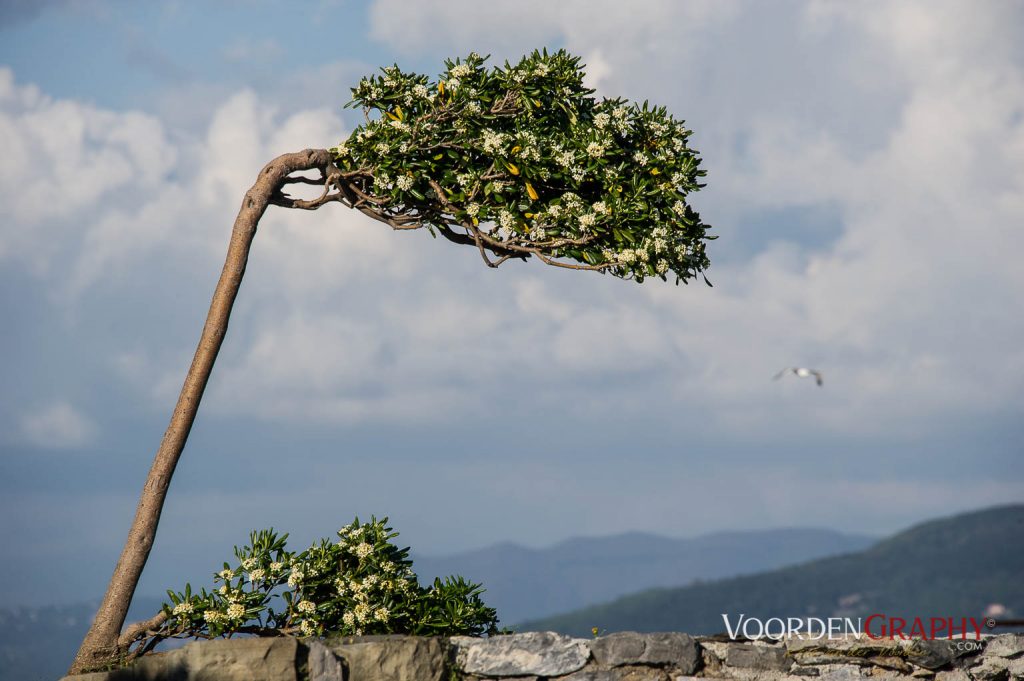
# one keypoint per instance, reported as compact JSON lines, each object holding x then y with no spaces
{"x":528,"y":654}
{"x":390,"y":658}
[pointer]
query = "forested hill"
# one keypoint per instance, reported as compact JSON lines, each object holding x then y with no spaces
{"x":953,"y":567}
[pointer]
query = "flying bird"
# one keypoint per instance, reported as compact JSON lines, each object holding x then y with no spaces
{"x":800,"y":372}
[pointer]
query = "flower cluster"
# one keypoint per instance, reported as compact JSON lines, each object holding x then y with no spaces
{"x":360,"y":584}
{"x":523,"y":159}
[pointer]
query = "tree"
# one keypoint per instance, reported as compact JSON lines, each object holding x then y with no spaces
{"x":517,"y":161}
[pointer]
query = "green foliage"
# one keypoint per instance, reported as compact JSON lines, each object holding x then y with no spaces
{"x":524,"y":162}
{"x":361,"y":584}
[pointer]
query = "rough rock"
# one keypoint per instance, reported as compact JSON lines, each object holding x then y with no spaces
{"x":931,"y":655}
{"x":760,"y":658}
{"x":840,"y":672}
{"x":390,"y":658}
{"x":1005,"y":645}
{"x":245,"y":659}
{"x":664,"y":649}
{"x":936,"y":654}
{"x":323,"y":664}
{"x":527,"y":654}
{"x":954,"y":675}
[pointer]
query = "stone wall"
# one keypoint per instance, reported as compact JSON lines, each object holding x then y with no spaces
{"x":616,"y":657}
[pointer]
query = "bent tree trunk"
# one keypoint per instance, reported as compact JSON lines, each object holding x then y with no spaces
{"x":105,"y":644}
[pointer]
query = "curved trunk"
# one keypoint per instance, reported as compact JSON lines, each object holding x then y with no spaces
{"x":103,"y":645}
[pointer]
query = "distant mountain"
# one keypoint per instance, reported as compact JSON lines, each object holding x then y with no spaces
{"x":524,"y":583}
{"x":38,"y":644}
{"x":954,"y":567}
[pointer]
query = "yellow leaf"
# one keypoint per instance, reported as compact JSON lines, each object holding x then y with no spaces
{"x":536,"y":103}
{"x":655,"y":171}
{"x":391,"y":116}
{"x":398,"y":110}
{"x":531,"y":191}
{"x":512,"y":169}
{"x":528,"y":215}
{"x":440,"y":87}
{"x":516,"y":148}
{"x":475,"y":221}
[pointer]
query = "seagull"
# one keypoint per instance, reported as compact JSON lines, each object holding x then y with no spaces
{"x":800,"y":372}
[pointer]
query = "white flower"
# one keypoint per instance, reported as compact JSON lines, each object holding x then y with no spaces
{"x":371,"y":581}
{"x":341,"y":149}
{"x":565,"y":159}
{"x":307,"y":628}
{"x":555,"y":211}
{"x":505,"y":219}
{"x":382,"y":148}
{"x":661,"y":267}
{"x":493,"y":142}
{"x":587,"y":220}
{"x":183,"y":609}
{"x":256,"y":575}
{"x":473,"y":209}
{"x":404,"y":182}
{"x":226,"y":574}
{"x":678,"y":208}
{"x":381,"y":614}
{"x":236,"y":611}
{"x":362,"y":612}
{"x":578,"y":173}
{"x":212,"y":616}
{"x":306,"y":606}
{"x":473,"y":107}
{"x":348,"y":618}
{"x":601,"y":120}
{"x":627,"y":257}
{"x":420,"y":90}
{"x":572,"y":201}
{"x":398,"y":125}
{"x":660,"y":245}
{"x":454,"y":83}
{"x":600,"y":207}
{"x":595,"y":149}
{"x":276,"y":567}
{"x":640,"y":157}
{"x":541,"y":69}
{"x":363,"y":549}
{"x":223,"y":590}
{"x":460,"y":70}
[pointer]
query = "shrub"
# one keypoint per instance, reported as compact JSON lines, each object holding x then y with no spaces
{"x":360,"y":584}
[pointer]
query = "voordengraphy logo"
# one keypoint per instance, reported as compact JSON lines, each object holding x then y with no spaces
{"x":875,"y":627}
{"x":879,"y":626}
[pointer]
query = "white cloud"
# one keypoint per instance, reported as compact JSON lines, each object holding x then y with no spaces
{"x":58,"y":426}
{"x":908,"y":309}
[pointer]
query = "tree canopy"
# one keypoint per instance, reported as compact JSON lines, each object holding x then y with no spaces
{"x":519,"y":161}
{"x":522,"y":160}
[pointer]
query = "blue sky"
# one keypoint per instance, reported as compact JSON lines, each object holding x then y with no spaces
{"x":865,"y":175}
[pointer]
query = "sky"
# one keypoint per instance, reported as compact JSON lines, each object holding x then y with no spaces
{"x":865,"y":176}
